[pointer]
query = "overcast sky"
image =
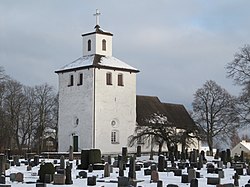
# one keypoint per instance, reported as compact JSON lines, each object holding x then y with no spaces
{"x":176,"y":44}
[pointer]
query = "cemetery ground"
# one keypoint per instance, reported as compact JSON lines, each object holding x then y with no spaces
{"x":198,"y":170}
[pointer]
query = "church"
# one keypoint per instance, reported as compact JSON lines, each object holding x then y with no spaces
{"x":97,"y":98}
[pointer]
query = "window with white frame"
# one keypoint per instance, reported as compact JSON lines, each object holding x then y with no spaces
{"x":120,"y":79}
{"x":109,"y":78}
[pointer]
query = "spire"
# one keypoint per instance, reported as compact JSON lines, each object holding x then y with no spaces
{"x":97,"y":14}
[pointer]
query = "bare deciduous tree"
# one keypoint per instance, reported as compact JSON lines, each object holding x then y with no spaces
{"x":214,"y":111}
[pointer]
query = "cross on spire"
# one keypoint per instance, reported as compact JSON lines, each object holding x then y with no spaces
{"x":97,"y":14}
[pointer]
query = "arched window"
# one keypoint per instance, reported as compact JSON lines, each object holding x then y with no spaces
{"x":109,"y":78}
{"x":120,"y":79}
{"x":89,"y":45}
{"x":115,"y":137}
{"x":104,"y":45}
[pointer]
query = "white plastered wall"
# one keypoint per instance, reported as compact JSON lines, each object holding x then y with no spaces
{"x":75,"y":102}
{"x":113,"y":102}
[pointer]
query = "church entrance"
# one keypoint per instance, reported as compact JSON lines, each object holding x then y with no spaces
{"x":75,"y":143}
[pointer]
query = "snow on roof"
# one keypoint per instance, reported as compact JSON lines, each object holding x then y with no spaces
{"x":114,"y":62}
{"x":89,"y":60}
{"x":246,"y":144}
{"x":80,"y":62}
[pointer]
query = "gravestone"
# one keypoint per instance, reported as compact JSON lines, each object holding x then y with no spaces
{"x":123,"y":181}
{"x":2,"y":180}
{"x":36,"y":160}
{"x":59,"y":179}
{"x":90,"y":169}
{"x":124,"y":154}
{"x":106,"y":170}
{"x":177,"y":172}
{"x":161,"y":163}
{"x":159,"y":183}
{"x":239,"y":171}
{"x":194,"y":183}
{"x":109,"y":159}
{"x":221,"y":174}
{"x":29,"y":168}
{"x":12,"y":177}
{"x":147,"y":172}
{"x":91,"y":181}
{"x":184,"y":178}
{"x":62,"y":162}
{"x":153,"y":167}
{"x":46,"y":168}
{"x":220,"y":164}
{"x":16,"y":160}
{"x":242,"y":159}
{"x":191,"y":174}
{"x":172,"y":185}
{"x":236,"y":179}
{"x":2,"y":164}
{"x":213,"y":180}
{"x":137,"y":167}
{"x":83,"y":174}
{"x":121,"y":171}
{"x":41,"y":184}
{"x":131,"y":173}
{"x":154,"y":176}
{"x":216,"y":156}
{"x":228,"y":155}
{"x":138,"y":151}
{"x":71,"y":154}
{"x":229,"y":165}
{"x":68,"y":179}
{"x":223,"y":157}
{"x":48,"y":178}
{"x":19,"y":177}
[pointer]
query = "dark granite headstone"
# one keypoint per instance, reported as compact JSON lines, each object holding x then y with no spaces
{"x":138,"y":151}
{"x":68,"y":179}
{"x":106,"y":170}
{"x":2,"y":164}
{"x":213,"y":180}
{"x":147,"y":172}
{"x":36,"y":160}
{"x":131,"y":173}
{"x":191,"y":174}
{"x":194,"y":183}
{"x":123,"y":181}
{"x":236,"y":179}
{"x":90,"y":168}
{"x":184,"y":178}
{"x":83,"y":174}
{"x":2,"y":179}
{"x":91,"y":181}
{"x":161,"y":163}
{"x":159,"y":183}
{"x":62,"y":162}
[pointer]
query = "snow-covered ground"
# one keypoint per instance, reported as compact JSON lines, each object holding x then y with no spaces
{"x":166,"y":177}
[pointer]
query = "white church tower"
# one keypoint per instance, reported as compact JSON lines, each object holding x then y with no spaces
{"x":97,"y":97}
